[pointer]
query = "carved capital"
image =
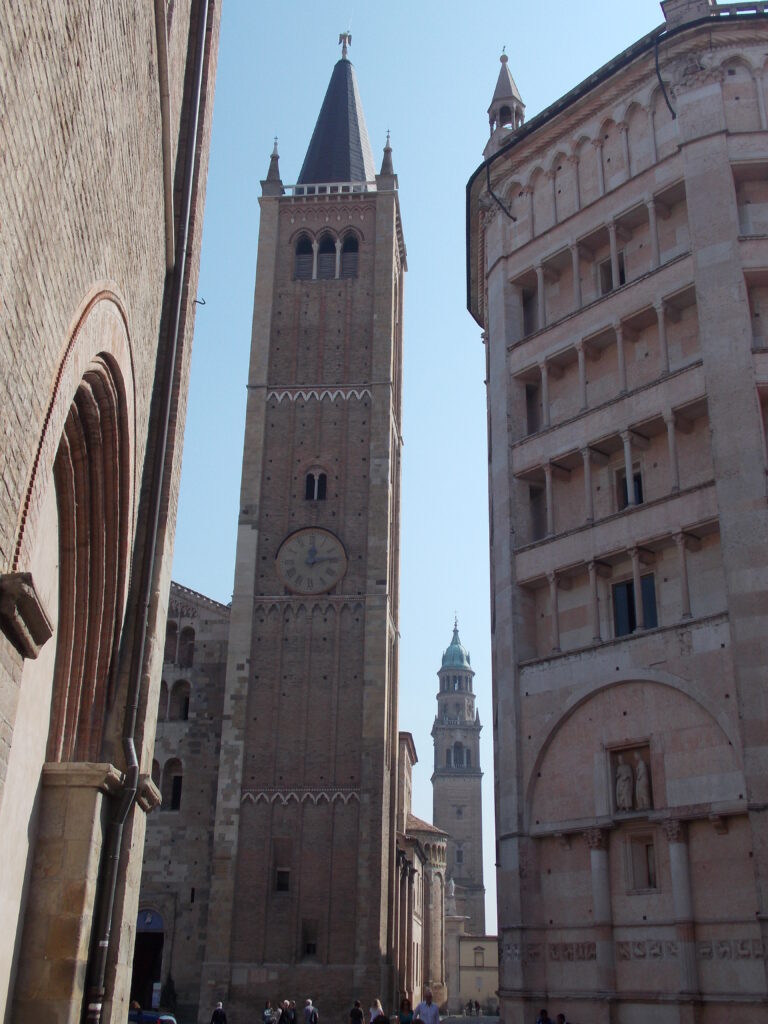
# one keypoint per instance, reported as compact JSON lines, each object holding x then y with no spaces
{"x":674,"y":830}
{"x":22,"y":616}
{"x":596,"y":838}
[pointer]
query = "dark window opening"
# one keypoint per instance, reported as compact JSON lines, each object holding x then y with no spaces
{"x":532,"y":408}
{"x":309,"y":933}
{"x":349,"y":252}
{"x":643,"y":863}
{"x":326,"y":259}
{"x":176,"y":782}
{"x":505,"y":117}
{"x":606,"y":275}
{"x":538,"y":509}
{"x":624,"y":611}
{"x":530,"y":312}
{"x":621,"y":487}
{"x":282,"y":880}
{"x":316,"y":487}
{"x":459,"y":856}
{"x":302,"y":267}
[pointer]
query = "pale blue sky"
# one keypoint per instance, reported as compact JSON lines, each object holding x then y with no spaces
{"x":426,"y":70}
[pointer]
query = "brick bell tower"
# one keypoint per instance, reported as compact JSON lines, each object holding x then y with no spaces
{"x":304,"y":846}
{"x":457,"y":782}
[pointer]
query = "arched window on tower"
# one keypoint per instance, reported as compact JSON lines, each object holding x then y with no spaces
{"x":179,"y":709}
{"x":173,"y":776}
{"x":349,"y":252}
{"x":162,"y":708}
{"x":326,"y":258}
{"x":302,"y":264}
{"x":187,"y":647}
{"x":448,"y":758}
{"x":171,"y":638}
{"x":505,"y":117}
{"x":458,"y":755}
{"x":316,"y":485}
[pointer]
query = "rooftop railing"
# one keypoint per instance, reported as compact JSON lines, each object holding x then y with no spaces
{"x":327,"y":188}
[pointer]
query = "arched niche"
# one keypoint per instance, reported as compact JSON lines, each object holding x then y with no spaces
{"x":742,"y":110}
{"x":692,"y":759}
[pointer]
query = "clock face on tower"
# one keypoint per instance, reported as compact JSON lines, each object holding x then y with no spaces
{"x":311,"y":561}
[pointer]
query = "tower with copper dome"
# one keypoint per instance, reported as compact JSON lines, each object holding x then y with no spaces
{"x":457,"y":781}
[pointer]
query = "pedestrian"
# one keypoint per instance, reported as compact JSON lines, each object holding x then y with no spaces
{"x":277,"y":1013}
{"x":267,"y":1014}
{"x":288,"y":1015}
{"x":356,"y":1015}
{"x":543,"y":1018}
{"x":477,"y":1008}
{"x":427,"y":1011}
{"x":376,"y":1011}
{"x":561,"y":1019}
{"x":310,"y":1012}
{"x":406,"y":1013}
{"x":218,"y":1016}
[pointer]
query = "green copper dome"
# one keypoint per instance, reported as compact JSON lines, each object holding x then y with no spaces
{"x":456,"y":655}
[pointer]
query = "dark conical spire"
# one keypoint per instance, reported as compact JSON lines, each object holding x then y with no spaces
{"x":339,"y":149}
{"x":386,"y":162}
{"x":272,"y":184}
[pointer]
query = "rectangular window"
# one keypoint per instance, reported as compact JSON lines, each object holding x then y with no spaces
{"x":537,"y":498}
{"x":622,"y":498}
{"x":479,"y":958}
{"x":624,"y":611}
{"x":176,"y":782}
{"x":642,"y":863}
{"x":309,"y":930}
{"x":530,"y":311}
{"x":532,"y":408}
{"x":606,"y":275}
{"x":459,"y":856}
{"x":282,"y":880}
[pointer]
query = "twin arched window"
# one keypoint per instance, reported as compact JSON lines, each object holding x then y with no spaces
{"x":316,"y":485}
{"x":326,"y":259}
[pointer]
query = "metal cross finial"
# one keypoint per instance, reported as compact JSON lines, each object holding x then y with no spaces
{"x":455,"y":620}
{"x":345,"y":38}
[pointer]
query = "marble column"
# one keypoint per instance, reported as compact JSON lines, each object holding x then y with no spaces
{"x":555,"y":610}
{"x":544,"y":394}
{"x":685,"y":593}
{"x":626,"y":440}
{"x":589,"y":504}
{"x":576,"y":270}
{"x":620,"y":357}
{"x":315,"y":249}
{"x":663,"y":345}
{"x":598,"y":144}
{"x":653,"y":230}
{"x":540,"y":297}
{"x":549,"y":500}
{"x":594,"y":603}
{"x":674,"y":466}
{"x":622,"y":127}
{"x":602,"y":917}
{"x":574,"y":161}
{"x":637,"y":588}
{"x":615,"y":273}
{"x":582,"y":376}
{"x":337,"y":274}
{"x":682,"y":903}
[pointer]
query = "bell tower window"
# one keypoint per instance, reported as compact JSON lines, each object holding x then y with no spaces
{"x":302,"y":264}
{"x":349,"y":251}
{"x":316,"y":485}
{"x":326,"y":259}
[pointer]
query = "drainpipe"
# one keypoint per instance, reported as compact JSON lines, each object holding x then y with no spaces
{"x":105,"y":899}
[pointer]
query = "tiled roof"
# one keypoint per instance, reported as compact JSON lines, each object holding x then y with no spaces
{"x":339,"y":149}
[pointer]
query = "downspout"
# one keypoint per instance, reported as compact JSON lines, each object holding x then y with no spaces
{"x":97,"y":966}
{"x":163,"y":79}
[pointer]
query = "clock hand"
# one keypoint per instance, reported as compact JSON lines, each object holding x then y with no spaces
{"x":326,"y":558}
{"x":311,"y":556}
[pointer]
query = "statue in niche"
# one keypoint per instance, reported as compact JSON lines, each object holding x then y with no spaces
{"x":642,"y":784}
{"x":624,"y":785}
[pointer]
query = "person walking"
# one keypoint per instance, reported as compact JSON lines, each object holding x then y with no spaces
{"x":218,"y":1016}
{"x":406,"y":1013}
{"x":310,"y":1012}
{"x":356,"y":1015}
{"x":427,"y":1011}
{"x":376,"y":1011}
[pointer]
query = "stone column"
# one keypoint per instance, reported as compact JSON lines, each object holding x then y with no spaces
{"x":637,"y":587}
{"x":540,"y":297}
{"x":674,"y":466}
{"x":315,"y":248}
{"x":544,"y":394}
{"x":619,"y":332}
{"x":574,"y":161}
{"x":337,"y":274}
{"x":548,"y":495}
{"x":760,"y":83}
{"x":589,"y":505}
{"x":553,"y":601}
{"x":576,"y":269}
{"x":615,"y":274}
{"x":550,"y":175}
{"x":598,"y":144}
{"x":528,"y":192}
{"x":626,"y":440}
{"x":685,"y":594}
{"x":663,"y":346}
{"x":582,"y":376}
{"x":622,"y":128}
{"x":652,"y":137}
{"x":594,"y":603}
{"x":602,"y":917}
{"x":682,"y":904}
{"x":653,"y":230}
